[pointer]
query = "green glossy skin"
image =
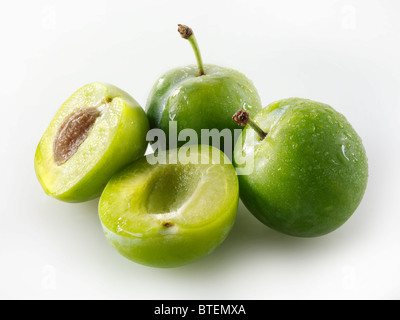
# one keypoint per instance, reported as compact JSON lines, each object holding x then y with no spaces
{"x":200,"y":102}
{"x":310,"y":172}
{"x":168,"y":215}
{"x":117,"y":138}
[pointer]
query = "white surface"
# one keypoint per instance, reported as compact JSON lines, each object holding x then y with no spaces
{"x":344,"y":53}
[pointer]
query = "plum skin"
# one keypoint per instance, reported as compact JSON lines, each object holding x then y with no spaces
{"x":310,"y":172}
{"x":200,"y":102}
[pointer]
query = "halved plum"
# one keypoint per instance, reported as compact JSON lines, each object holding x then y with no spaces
{"x":96,"y":132}
{"x":171,"y":214}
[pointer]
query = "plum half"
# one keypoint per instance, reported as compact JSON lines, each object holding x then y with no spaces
{"x":174,"y":213}
{"x":96,"y":132}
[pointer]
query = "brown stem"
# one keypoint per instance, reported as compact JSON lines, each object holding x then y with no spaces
{"x":242,"y":118}
{"x":187,"y":33}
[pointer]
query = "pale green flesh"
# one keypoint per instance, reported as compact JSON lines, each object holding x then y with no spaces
{"x":169,"y":214}
{"x":85,"y":173}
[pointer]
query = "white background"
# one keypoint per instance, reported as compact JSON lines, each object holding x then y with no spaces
{"x":344,"y":53}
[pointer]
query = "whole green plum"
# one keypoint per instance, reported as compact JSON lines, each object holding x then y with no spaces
{"x":309,"y":168}
{"x":200,"y":97}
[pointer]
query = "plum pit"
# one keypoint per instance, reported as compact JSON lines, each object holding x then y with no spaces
{"x":73,"y":132}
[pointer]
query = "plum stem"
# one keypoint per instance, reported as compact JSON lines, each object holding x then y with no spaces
{"x":242,"y":118}
{"x":187,"y":33}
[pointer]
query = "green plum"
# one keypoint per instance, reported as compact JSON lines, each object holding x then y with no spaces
{"x":309,"y":168}
{"x":96,"y":132}
{"x":200,"y":97}
{"x":174,"y":212}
